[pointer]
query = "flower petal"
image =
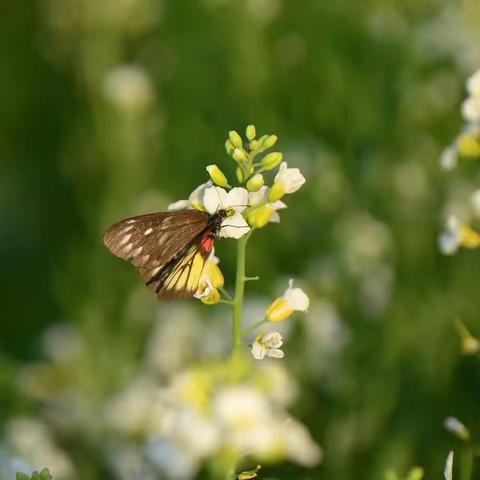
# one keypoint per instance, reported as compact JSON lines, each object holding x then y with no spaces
{"x":272,"y":340}
{"x":297,"y":298}
{"x":258,"y":350}
{"x":237,"y":199}
{"x":179,"y":205}
{"x":259,"y":197}
{"x":234,"y":227}
{"x":214,"y":199}
{"x":275,"y":353}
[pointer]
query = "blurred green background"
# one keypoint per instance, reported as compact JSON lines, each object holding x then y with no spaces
{"x":113,"y":108}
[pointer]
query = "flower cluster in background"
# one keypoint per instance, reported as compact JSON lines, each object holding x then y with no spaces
{"x":463,"y":208}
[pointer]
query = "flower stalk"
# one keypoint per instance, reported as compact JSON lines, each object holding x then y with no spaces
{"x":237,"y":305}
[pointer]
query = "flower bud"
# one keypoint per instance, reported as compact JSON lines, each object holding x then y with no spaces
{"x":240,"y":176}
{"x":239,"y":155}
{"x":229,"y":147}
{"x":269,"y":142}
{"x":260,"y":216}
{"x":253,"y":145}
{"x":251,"y":132}
{"x":235,"y":138}
{"x":217,"y":176}
{"x":255,"y":183}
{"x":271,"y":160}
{"x":279,"y":310}
{"x":276,"y":192}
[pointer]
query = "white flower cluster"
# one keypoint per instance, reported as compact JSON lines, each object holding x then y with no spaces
{"x":457,"y":231}
{"x":203,"y":415}
{"x":467,"y":143}
{"x":471,"y":105}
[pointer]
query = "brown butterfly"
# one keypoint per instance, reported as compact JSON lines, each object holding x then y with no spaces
{"x":169,"y":249}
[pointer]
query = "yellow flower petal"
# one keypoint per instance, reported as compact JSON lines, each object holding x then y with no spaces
{"x":279,"y":310}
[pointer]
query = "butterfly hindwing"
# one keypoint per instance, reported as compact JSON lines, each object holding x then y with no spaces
{"x":165,"y":247}
{"x":183,"y":276}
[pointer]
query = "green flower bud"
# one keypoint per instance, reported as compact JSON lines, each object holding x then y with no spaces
{"x":260,"y":216}
{"x":240,"y":176}
{"x":251,"y":132}
{"x":271,"y":160}
{"x":254,"y":145}
{"x":239,"y":155}
{"x":255,"y":183}
{"x":229,"y":147}
{"x":269,"y":142}
{"x":217,"y":176}
{"x":235,"y":138}
{"x":276,"y":192}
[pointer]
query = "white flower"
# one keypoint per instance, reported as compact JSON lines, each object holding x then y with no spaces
{"x":267,"y":345}
{"x":260,"y":197}
{"x":449,"y":240}
{"x":128,"y":87}
{"x":234,"y":202}
{"x":296,"y":297}
{"x":449,"y":158}
{"x":195,"y":200}
{"x":473,"y":84}
{"x":240,"y":406}
{"x":290,"y":178}
{"x":455,"y":426}
{"x":448,"y":473}
{"x":300,"y":446}
{"x":471,"y":109}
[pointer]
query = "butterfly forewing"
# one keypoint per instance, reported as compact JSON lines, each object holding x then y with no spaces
{"x":165,"y":247}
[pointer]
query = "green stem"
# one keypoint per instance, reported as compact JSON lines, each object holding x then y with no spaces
{"x":239,"y":290}
{"x":466,"y":463}
{"x":255,"y":326}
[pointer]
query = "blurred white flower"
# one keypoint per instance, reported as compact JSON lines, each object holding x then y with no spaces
{"x":449,"y":240}
{"x":32,"y":440}
{"x":173,"y":461}
{"x":455,"y":426}
{"x":471,"y":109}
{"x":449,"y":158}
{"x":458,"y":234}
{"x":299,"y":444}
{"x":475,"y":199}
{"x":61,"y":342}
{"x":290,"y":178}
{"x":240,"y":406}
{"x":267,"y":345}
{"x":235,"y":201}
{"x":448,"y":473}
{"x":473,"y":84}
{"x":139,"y":409}
{"x":293,"y":299}
{"x":128,"y":87}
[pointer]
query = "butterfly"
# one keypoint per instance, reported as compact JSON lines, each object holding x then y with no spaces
{"x":169,"y":249}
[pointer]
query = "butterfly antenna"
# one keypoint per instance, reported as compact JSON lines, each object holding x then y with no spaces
{"x":220,"y":199}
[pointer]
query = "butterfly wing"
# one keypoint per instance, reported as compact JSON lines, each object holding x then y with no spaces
{"x":161,"y":245}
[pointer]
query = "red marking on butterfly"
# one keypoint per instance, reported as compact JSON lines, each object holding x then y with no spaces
{"x":207,"y":243}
